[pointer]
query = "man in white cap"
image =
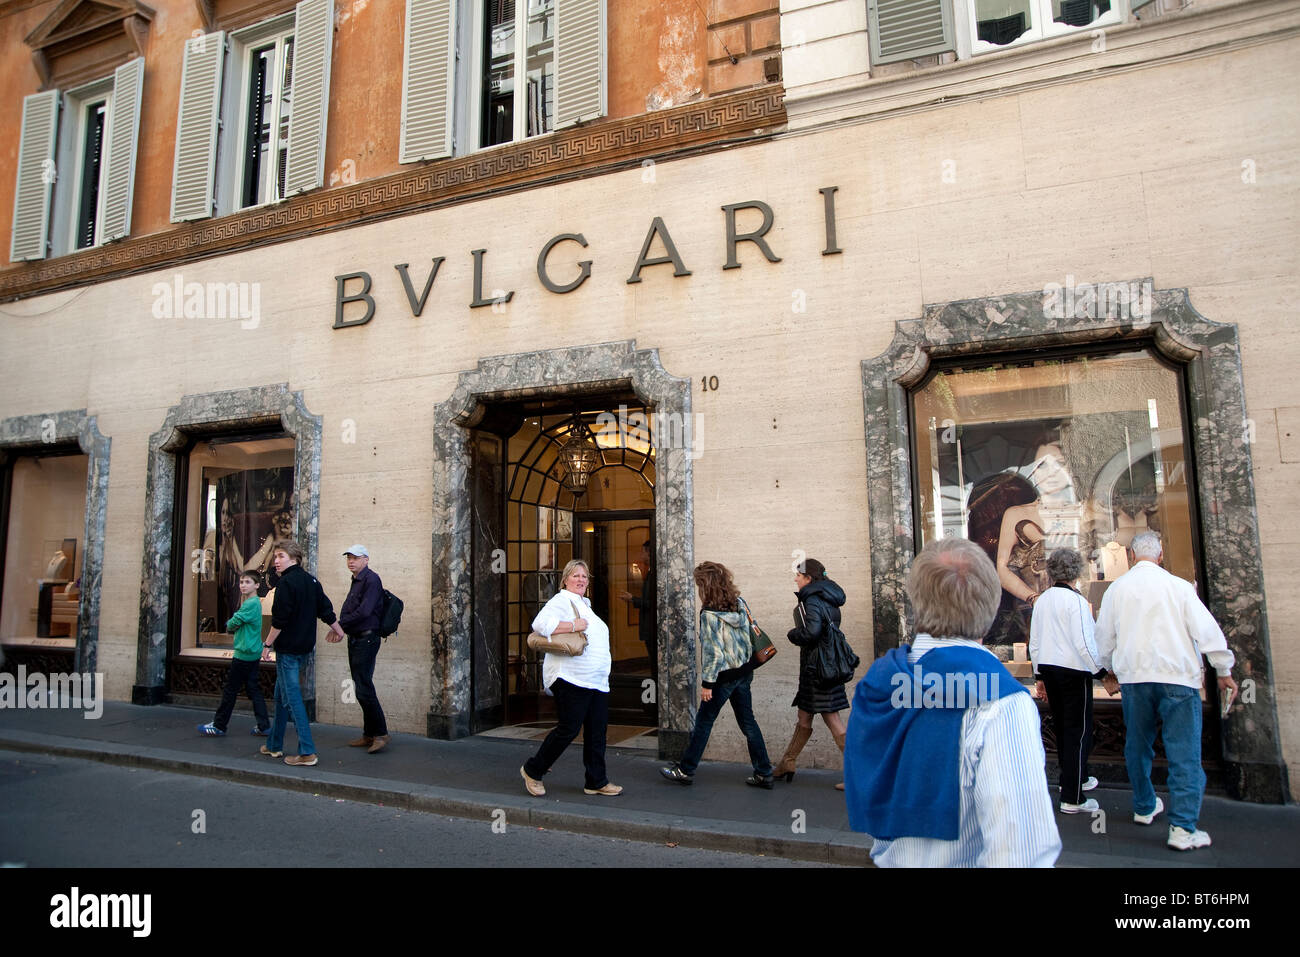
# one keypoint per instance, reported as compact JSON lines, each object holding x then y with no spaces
{"x":360,"y":618}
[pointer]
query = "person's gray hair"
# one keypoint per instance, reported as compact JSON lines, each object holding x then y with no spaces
{"x":1147,"y":545}
{"x":1064,"y":565}
{"x":569,"y":569}
{"x":954,"y":589}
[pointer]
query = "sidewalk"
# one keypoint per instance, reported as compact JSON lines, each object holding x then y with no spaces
{"x":476,"y":776}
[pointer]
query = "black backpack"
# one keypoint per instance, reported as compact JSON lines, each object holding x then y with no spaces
{"x":390,"y":614}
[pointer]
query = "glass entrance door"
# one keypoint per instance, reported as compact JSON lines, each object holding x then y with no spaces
{"x":618,"y":547}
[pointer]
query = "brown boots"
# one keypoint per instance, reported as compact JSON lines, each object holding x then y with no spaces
{"x":786,"y":767}
{"x":839,"y":743}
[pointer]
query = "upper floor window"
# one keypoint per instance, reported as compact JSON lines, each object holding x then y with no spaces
{"x":264,"y":133}
{"x":483,"y":72}
{"x":76,"y":166}
{"x":518,"y":38}
{"x":251,"y":125}
{"x":997,"y":23}
{"x":907,"y":29}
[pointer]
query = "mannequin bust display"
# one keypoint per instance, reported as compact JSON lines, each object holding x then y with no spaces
{"x":1114,"y":560}
{"x":58,"y":566}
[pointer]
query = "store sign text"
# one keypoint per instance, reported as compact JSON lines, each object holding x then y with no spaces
{"x":356,"y":287}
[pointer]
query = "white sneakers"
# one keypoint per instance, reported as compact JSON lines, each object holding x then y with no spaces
{"x":1148,"y":818}
{"x":1089,"y":805}
{"x":1089,"y":785}
{"x":1181,"y":840}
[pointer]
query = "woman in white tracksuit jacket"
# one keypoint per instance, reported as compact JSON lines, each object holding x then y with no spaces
{"x":1064,"y":653}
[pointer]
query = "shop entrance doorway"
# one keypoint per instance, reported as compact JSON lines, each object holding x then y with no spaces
{"x":618,"y":547}
{"x":532,"y":514}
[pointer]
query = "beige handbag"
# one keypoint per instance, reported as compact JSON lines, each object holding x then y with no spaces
{"x":571,"y":644}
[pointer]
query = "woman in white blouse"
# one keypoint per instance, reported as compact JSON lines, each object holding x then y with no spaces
{"x":580,"y":686}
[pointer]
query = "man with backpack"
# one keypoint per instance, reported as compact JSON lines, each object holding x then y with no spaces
{"x":361,"y":616}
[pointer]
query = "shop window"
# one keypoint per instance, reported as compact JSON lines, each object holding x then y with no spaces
{"x":44,"y":549}
{"x":1023,"y":457}
{"x":239,"y":501}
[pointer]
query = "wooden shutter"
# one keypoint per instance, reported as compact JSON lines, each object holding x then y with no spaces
{"x":313,"y":44}
{"x":123,"y":134}
{"x":903,"y":29}
{"x":579,"y":61}
{"x":196,"y":127}
{"x":427,"y":80}
{"x":36,"y":172}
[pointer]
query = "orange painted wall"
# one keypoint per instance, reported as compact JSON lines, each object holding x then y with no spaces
{"x":658,"y":55}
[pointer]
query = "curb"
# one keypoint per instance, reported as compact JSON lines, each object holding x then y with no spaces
{"x":819,"y":845}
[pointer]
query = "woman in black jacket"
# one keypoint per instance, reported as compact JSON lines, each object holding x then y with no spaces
{"x":816,"y":614}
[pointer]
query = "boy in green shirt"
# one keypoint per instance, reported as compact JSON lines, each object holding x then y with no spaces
{"x":247,"y":627}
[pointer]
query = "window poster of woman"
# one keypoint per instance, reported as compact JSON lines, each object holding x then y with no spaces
{"x":254,"y":511}
{"x":1021,"y":505}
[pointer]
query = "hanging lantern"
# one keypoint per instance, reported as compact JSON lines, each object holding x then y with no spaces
{"x":578,"y":457}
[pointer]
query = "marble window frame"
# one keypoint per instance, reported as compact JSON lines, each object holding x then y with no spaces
{"x":195,"y":417}
{"x":29,"y":434}
{"x":1225,"y":514}
{"x":574,"y":371}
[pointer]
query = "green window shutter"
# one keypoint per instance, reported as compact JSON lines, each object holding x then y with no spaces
{"x":427,"y":80}
{"x":579,"y":61}
{"x":31,"y":226}
{"x":313,"y":44}
{"x":904,"y":29}
{"x":196,"y":127}
{"x":123,"y":134}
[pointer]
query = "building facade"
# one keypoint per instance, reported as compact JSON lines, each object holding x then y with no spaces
{"x":810,"y":280}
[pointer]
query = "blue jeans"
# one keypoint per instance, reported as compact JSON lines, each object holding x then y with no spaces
{"x":738,"y":693}
{"x":1178,"y":709}
{"x":288,"y":699}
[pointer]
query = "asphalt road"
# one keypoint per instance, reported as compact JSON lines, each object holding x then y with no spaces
{"x":66,"y":812}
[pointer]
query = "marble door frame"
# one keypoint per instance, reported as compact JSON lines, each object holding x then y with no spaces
{"x":579,"y":370}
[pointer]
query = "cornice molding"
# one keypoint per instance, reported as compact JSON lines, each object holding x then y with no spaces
{"x":700,"y":127}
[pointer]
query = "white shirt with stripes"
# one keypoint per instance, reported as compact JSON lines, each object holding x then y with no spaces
{"x":1007,"y":818}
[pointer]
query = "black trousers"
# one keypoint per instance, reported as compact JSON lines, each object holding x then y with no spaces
{"x":578,"y":709}
{"x":241,"y":677}
{"x":363,"y":649}
{"x":1069,"y":698}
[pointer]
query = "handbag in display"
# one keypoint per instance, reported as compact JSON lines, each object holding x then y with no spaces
{"x":764,"y":650}
{"x":570,"y":644}
{"x":833,"y":661}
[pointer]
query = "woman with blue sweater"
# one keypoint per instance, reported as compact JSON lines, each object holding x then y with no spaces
{"x":727,"y":646}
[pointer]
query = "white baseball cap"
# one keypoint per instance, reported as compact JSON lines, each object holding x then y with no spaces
{"x":359,"y":551}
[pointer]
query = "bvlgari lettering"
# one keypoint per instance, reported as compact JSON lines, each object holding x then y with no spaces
{"x":657,"y":249}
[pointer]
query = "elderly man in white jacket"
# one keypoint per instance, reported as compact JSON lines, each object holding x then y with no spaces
{"x":1151,"y":632}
